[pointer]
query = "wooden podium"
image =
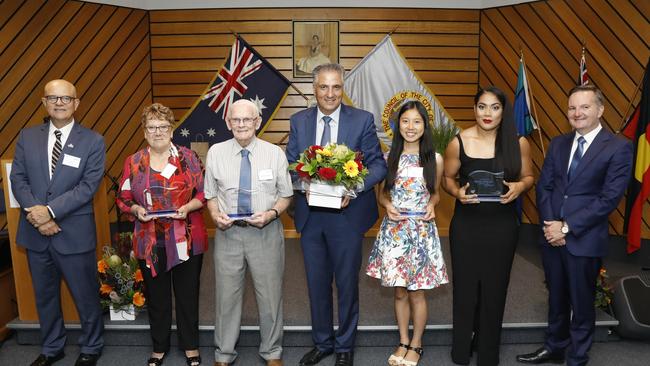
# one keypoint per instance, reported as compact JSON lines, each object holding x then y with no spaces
{"x":22,"y":277}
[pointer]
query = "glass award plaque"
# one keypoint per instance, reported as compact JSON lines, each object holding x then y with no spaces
{"x":486,"y":185}
{"x":236,"y":208}
{"x":158,"y":202}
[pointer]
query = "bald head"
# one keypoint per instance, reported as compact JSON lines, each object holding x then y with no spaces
{"x":244,"y":104}
{"x":60,"y":101}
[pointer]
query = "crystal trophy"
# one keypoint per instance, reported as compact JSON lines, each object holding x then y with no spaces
{"x":237,"y":208}
{"x":158,"y":202}
{"x":486,"y":185}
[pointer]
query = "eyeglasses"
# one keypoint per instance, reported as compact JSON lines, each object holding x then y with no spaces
{"x":53,"y":99}
{"x":238,"y":121}
{"x":153,"y":129}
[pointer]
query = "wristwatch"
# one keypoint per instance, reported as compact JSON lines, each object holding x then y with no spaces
{"x":277,"y":214}
{"x":565,"y":228}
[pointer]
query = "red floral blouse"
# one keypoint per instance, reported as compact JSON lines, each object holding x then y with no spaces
{"x":139,"y":182}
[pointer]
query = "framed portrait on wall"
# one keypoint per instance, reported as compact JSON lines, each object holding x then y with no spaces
{"x":314,"y":43}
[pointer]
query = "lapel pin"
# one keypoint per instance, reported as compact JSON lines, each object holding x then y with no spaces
{"x":71,"y":146}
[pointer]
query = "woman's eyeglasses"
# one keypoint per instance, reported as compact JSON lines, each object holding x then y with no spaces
{"x":153,"y":129}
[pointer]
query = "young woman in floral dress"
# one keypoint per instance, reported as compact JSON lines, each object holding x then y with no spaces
{"x":407,"y":253}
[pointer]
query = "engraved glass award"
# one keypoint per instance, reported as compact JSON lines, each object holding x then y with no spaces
{"x":158,"y":202}
{"x":486,"y":185}
{"x":239,"y":202}
{"x":410,"y":206}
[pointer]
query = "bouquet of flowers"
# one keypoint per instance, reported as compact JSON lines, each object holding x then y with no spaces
{"x":603,"y":290}
{"x":331,"y":164}
{"x":121,"y":282}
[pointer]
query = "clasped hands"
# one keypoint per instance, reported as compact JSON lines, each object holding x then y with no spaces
{"x":39,"y":217}
{"x":553,"y":233}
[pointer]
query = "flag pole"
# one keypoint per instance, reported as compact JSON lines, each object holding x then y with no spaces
{"x":532,"y":102}
{"x":626,"y":118}
{"x":290,"y":82}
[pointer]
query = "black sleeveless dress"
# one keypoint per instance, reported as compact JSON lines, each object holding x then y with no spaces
{"x":483,"y":238}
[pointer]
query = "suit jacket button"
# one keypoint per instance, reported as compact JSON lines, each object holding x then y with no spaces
{"x":565,"y":196}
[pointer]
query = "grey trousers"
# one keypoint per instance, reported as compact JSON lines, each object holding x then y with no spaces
{"x":262,"y":252}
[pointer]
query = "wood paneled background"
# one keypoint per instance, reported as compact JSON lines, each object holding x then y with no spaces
{"x":121,"y":59}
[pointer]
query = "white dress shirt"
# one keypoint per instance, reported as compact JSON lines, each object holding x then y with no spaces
{"x":589,"y":138}
{"x":334,"y":125}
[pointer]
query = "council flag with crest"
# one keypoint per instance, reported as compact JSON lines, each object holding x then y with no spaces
{"x":383,"y":81}
{"x":245,"y":74}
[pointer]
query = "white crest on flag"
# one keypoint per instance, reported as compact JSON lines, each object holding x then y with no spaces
{"x":382,"y":82}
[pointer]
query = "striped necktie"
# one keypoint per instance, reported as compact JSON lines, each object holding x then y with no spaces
{"x":56,"y":150}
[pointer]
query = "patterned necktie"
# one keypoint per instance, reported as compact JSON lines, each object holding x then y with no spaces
{"x":327,"y":131}
{"x":56,"y":150}
{"x":577,"y":156}
{"x":244,"y":195}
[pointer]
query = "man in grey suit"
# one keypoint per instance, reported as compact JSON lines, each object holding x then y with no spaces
{"x":56,"y":170}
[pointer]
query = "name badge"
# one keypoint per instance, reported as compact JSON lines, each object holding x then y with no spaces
{"x":415,"y":172}
{"x":182,"y":251}
{"x":71,"y":161}
{"x":265,"y":174}
{"x":168,"y":171}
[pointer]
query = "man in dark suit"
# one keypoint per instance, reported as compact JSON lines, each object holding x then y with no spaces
{"x":56,"y":170}
{"x":584,"y":176}
{"x":331,"y":238}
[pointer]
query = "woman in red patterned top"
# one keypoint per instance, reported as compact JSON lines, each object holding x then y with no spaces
{"x":165,"y":177}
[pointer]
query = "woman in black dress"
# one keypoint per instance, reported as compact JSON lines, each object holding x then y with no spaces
{"x":483,"y":234}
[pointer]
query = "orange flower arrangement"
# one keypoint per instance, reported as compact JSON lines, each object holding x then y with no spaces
{"x":121,"y":281}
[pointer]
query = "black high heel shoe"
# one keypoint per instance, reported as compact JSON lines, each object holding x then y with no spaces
{"x":193,"y":360}
{"x":153,"y":361}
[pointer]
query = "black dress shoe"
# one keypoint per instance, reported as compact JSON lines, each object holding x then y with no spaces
{"x":542,"y":355}
{"x":87,"y":359}
{"x":344,"y":359}
{"x":313,"y":357}
{"x":44,"y":360}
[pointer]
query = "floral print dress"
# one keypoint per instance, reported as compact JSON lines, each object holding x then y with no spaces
{"x":407,"y":252}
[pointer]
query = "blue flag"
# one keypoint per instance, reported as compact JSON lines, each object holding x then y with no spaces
{"x":524,"y":121}
{"x":244,"y":75}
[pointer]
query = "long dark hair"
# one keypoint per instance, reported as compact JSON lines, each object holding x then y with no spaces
{"x":506,"y":146}
{"x":427,"y":151}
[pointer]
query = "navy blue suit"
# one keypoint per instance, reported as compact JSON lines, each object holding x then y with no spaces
{"x":70,"y":253}
{"x":331,"y":239}
{"x":584,"y":202}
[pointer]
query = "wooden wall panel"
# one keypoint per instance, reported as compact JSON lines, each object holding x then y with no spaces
{"x":550,"y":33}
{"x":104,"y":50}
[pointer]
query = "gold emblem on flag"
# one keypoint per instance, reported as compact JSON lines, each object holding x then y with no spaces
{"x":391,"y":108}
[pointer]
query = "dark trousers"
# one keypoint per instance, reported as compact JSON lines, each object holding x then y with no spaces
{"x":571,"y":282}
{"x":332,"y":251}
{"x":80,"y":274}
{"x":185,"y":278}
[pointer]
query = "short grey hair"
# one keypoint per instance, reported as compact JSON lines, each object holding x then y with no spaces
{"x":327,"y":67}
{"x":244,"y":102}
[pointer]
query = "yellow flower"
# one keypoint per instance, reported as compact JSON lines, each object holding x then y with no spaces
{"x":324,"y":152}
{"x":351,"y":168}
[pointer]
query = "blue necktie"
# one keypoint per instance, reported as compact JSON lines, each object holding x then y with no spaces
{"x":327,"y":131}
{"x":577,"y":156}
{"x":244,"y":195}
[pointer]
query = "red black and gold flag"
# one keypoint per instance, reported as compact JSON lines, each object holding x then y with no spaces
{"x":638,"y":130}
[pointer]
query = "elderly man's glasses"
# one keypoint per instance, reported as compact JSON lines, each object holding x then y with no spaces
{"x":238,"y":121}
{"x":53,"y":99}
{"x":153,"y":129}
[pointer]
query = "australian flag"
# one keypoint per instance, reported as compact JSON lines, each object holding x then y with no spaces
{"x":244,"y":74}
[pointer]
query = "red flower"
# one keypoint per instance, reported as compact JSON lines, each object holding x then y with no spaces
{"x":311,"y":151}
{"x":359,"y":164}
{"x":327,"y":173}
{"x":301,"y":173}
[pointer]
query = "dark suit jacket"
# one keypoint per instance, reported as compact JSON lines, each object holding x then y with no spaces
{"x":69,"y":194}
{"x":356,"y":130}
{"x":593,"y":192}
